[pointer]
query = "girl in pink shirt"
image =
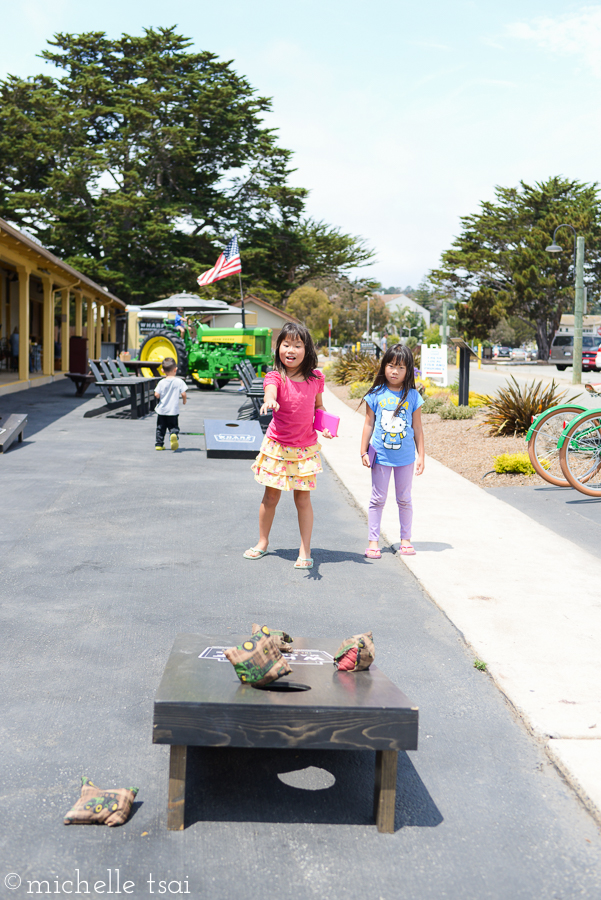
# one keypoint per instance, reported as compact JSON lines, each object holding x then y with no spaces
{"x":289,"y":456}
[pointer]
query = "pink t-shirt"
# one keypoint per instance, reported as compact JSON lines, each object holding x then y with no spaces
{"x":292,"y":424}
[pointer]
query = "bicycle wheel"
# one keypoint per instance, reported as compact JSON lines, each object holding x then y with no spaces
{"x":580,"y":454}
{"x":542,"y":446}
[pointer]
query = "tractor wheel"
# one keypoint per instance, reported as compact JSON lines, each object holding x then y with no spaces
{"x":161,"y":343}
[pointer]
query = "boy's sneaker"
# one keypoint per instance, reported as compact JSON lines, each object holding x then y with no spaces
{"x":174,"y":442}
{"x":159,"y":447}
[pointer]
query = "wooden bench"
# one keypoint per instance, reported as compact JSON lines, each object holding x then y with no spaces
{"x":201,"y":703}
{"x":119,"y":388}
{"x":11,"y":430}
{"x":81,"y":381}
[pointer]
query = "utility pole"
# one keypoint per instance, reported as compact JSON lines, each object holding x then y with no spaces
{"x":368,"y":332}
{"x":445,"y":306}
{"x":578,"y":298}
{"x":578,"y":312}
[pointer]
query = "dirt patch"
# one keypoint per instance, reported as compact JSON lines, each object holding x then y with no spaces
{"x":463,"y":445}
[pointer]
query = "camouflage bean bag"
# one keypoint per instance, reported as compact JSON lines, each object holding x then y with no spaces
{"x":356,"y":653}
{"x":258,"y":660}
{"x":283,"y":640}
{"x":98,"y":807}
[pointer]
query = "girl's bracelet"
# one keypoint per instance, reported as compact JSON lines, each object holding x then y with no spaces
{"x":364,"y":454}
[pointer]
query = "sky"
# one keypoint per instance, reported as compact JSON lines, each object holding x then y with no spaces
{"x":402,"y":116}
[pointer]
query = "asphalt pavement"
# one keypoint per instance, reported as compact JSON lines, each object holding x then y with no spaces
{"x":108,"y":550}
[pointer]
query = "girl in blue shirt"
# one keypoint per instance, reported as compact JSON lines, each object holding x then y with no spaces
{"x":392,"y":432}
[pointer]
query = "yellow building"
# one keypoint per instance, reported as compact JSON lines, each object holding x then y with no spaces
{"x":39,"y":297}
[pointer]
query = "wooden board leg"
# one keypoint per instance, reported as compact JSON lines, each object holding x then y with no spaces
{"x":385,"y":789}
{"x":176,"y":801}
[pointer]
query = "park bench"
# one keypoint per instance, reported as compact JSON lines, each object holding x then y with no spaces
{"x":11,"y":430}
{"x":201,"y":703}
{"x":119,"y":388}
{"x":82,"y":381}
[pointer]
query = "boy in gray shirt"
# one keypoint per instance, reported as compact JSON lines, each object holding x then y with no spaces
{"x":168,"y":391}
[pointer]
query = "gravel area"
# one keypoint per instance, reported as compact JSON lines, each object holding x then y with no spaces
{"x":464,"y":446}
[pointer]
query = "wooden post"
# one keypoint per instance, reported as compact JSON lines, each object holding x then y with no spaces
{"x":113,"y":320}
{"x":90,"y":328}
{"x":176,"y":801}
{"x":98,"y":349}
{"x":385,"y":789}
{"x":65,"y":330}
{"x":3,"y":332}
{"x":24,"y":272}
{"x":78,"y":314}
{"x":48,"y":327}
{"x":105,"y":330}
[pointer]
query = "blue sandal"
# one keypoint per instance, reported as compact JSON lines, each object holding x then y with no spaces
{"x":253,"y":553}
{"x":303,"y":560}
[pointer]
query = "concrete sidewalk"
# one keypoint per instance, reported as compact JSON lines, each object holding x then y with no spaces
{"x":524,"y":597}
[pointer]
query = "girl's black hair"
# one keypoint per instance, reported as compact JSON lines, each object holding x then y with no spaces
{"x":294,"y":331}
{"x":397,"y":355}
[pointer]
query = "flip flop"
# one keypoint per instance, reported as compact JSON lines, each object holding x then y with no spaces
{"x":253,"y":553}
{"x":407,"y":550}
{"x":373,"y":554}
{"x":301,"y":559}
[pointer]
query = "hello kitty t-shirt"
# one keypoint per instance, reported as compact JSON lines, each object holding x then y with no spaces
{"x":393,"y":438}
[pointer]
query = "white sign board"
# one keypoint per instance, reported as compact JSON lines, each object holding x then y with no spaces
{"x":434,"y":363}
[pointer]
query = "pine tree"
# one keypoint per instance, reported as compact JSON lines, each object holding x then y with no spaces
{"x":499,"y":267}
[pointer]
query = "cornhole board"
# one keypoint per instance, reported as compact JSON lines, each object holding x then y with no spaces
{"x":232,"y":438}
{"x":11,"y":429}
{"x":200,"y":702}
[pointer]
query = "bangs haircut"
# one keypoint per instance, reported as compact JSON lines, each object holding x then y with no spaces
{"x":293,"y":331}
{"x":398,"y":355}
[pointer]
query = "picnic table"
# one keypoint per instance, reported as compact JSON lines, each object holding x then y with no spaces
{"x":119,"y":388}
{"x":138,"y":364}
{"x":200,"y":702}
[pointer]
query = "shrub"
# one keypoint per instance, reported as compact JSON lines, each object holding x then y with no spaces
{"x":355,"y":367}
{"x":474,"y":400}
{"x":359,"y":389}
{"x":456,"y":412}
{"x":513,"y":463}
{"x":511,"y":409}
{"x":433,"y":404}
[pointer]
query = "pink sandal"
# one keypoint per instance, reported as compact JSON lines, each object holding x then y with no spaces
{"x":373,"y":554}
{"x":407,"y":550}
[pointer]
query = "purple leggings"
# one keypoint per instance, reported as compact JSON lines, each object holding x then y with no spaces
{"x":380,"y":478}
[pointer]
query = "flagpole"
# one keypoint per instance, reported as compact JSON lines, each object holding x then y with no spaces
{"x":242,"y":301}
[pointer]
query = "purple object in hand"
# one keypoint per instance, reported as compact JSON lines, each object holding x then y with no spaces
{"x":326,"y":420}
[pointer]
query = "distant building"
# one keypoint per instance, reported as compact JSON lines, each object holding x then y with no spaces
{"x":590,"y":324}
{"x":394,"y":302}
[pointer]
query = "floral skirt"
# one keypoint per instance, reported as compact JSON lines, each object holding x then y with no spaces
{"x":287,"y":468}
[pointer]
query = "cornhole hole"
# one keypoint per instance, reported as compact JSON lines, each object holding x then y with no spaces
{"x":232,"y":439}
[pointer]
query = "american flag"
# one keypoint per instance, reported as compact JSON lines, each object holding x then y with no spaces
{"x":227,"y":264}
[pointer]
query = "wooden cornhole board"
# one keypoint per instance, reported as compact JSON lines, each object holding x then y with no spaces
{"x":200,"y":702}
{"x":232,"y":438}
{"x":11,"y":429}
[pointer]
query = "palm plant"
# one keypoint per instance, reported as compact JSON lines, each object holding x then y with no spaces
{"x":512,"y":409}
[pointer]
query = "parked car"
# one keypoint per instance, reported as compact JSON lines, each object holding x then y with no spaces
{"x":562,"y":351}
{"x":502,"y":351}
{"x":517,"y":353}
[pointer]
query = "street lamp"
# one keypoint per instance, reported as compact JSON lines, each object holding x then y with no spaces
{"x":578,"y":299}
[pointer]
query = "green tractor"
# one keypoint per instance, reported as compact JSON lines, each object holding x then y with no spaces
{"x":208,"y":355}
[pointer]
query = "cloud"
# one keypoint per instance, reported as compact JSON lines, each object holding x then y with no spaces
{"x":569,"y":35}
